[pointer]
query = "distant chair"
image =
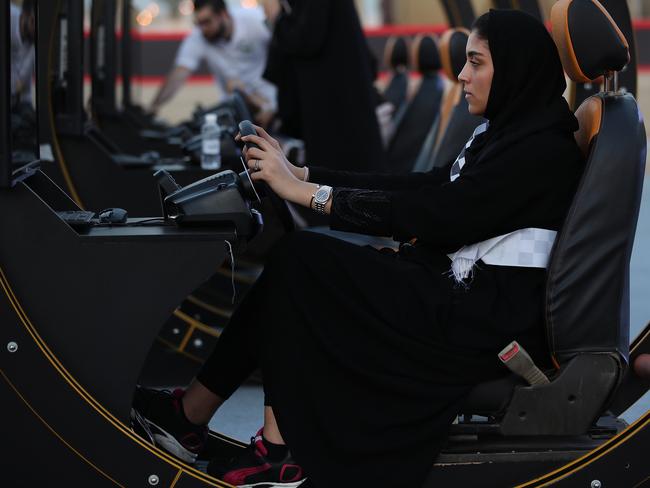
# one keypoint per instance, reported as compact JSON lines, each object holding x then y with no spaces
{"x":455,"y":124}
{"x":414,"y":121}
{"x":396,"y":58}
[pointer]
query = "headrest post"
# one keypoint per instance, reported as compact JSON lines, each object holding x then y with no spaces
{"x":611,"y":82}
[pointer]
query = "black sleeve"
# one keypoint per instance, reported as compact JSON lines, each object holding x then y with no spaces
{"x":362,"y":211}
{"x":377,"y":181}
{"x":488,"y":200}
{"x":303,"y":32}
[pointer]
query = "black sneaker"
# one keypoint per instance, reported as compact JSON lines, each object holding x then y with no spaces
{"x":159,"y":414}
{"x":253,"y":469}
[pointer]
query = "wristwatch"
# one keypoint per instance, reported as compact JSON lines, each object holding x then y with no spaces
{"x":321,"y":197}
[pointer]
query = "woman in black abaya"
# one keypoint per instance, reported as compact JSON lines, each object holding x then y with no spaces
{"x":367,"y":354}
{"x":320,"y":62}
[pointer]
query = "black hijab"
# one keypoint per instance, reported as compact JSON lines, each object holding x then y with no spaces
{"x":527,"y":85}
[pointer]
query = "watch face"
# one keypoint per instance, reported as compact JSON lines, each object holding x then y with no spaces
{"x":322,"y":195}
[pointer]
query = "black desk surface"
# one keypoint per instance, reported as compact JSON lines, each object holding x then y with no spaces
{"x":157,"y":230}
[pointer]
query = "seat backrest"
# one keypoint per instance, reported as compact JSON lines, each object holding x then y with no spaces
{"x":396,"y":59}
{"x":587,"y":302}
{"x":456,"y":123}
{"x":452,"y":56}
{"x":414,"y":123}
{"x":587,"y":305}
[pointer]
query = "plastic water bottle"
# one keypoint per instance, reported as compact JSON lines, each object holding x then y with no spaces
{"x":211,"y":148}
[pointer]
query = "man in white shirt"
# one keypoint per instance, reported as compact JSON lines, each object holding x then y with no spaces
{"x":234,"y":46}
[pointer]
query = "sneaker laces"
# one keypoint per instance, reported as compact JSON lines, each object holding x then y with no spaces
{"x":257,"y":444}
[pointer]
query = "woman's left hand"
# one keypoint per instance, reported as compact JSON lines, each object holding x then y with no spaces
{"x":267,"y":163}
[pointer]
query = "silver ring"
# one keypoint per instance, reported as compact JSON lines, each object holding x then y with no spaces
{"x":256,"y":166}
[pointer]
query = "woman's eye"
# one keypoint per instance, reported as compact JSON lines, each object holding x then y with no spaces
{"x":473,"y":63}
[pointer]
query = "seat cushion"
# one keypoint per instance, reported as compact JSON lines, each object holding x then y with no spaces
{"x":490,"y":399}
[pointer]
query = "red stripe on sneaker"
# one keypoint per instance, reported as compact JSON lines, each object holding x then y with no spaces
{"x":238,"y":476}
{"x":298,"y":475}
{"x":259,"y":444}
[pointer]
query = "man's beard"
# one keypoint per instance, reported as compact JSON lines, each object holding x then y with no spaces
{"x":219,"y":35}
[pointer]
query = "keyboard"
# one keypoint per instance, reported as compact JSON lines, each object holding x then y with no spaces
{"x":77,"y":218}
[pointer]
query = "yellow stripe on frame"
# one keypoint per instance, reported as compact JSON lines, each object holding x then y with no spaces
{"x":581,"y":462}
{"x":175,"y":480}
{"x":192,"y":322}
{"x":98,"y":407}
{"x":51,"y":429}
{"x":210,"y":308}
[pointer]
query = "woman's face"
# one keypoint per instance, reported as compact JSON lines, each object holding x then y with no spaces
{"x":476,"y":76}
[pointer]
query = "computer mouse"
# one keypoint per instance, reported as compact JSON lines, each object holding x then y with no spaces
{"x":113,"y":216}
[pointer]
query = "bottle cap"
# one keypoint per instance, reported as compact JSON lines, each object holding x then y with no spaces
{"x":210,"y":118}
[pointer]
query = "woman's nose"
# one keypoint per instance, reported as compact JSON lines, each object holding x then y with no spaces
{"x":462,"y":77}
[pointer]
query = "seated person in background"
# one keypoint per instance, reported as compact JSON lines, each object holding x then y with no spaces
{"x":23,"y":114}
{"x":23,"y":27}
{"x":367,"y":355}
{"x":234,"y":46}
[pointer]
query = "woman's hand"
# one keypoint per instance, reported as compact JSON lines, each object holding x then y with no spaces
{"x":268,"y":163}
{"x":296,"y":171}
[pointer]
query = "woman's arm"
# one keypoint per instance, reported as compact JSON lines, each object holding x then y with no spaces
{"x":489,"y":199}
{"x":349,"y":179}
{"x":377,"y":181}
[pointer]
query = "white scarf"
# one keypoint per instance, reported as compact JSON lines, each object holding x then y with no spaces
{"x":529,"y":248}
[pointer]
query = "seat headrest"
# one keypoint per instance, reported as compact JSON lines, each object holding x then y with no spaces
{"x":424,"y":51}
{"x":589,"y":41}
{"x":396,"y":53}
{"x":452,"y":52}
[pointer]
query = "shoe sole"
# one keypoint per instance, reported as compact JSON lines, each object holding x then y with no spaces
{"x":266,"y":484}
{"x":164,"y":439}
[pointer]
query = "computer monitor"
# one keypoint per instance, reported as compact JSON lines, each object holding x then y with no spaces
{"x":18,"y":128}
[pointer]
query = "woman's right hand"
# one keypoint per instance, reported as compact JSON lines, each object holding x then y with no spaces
{"x":298,"y":172}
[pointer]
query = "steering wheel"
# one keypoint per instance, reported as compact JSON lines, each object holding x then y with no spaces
{"x":280,"y":206}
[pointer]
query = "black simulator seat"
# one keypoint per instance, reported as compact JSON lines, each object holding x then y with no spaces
{"x":396,"y":59}
{"x":413,"y":122}
{"x":454,"y":125}
{"x":587,"y":296}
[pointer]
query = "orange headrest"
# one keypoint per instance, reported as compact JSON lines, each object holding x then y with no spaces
{"x":452,"y":47}
{"x":589,"y":41}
